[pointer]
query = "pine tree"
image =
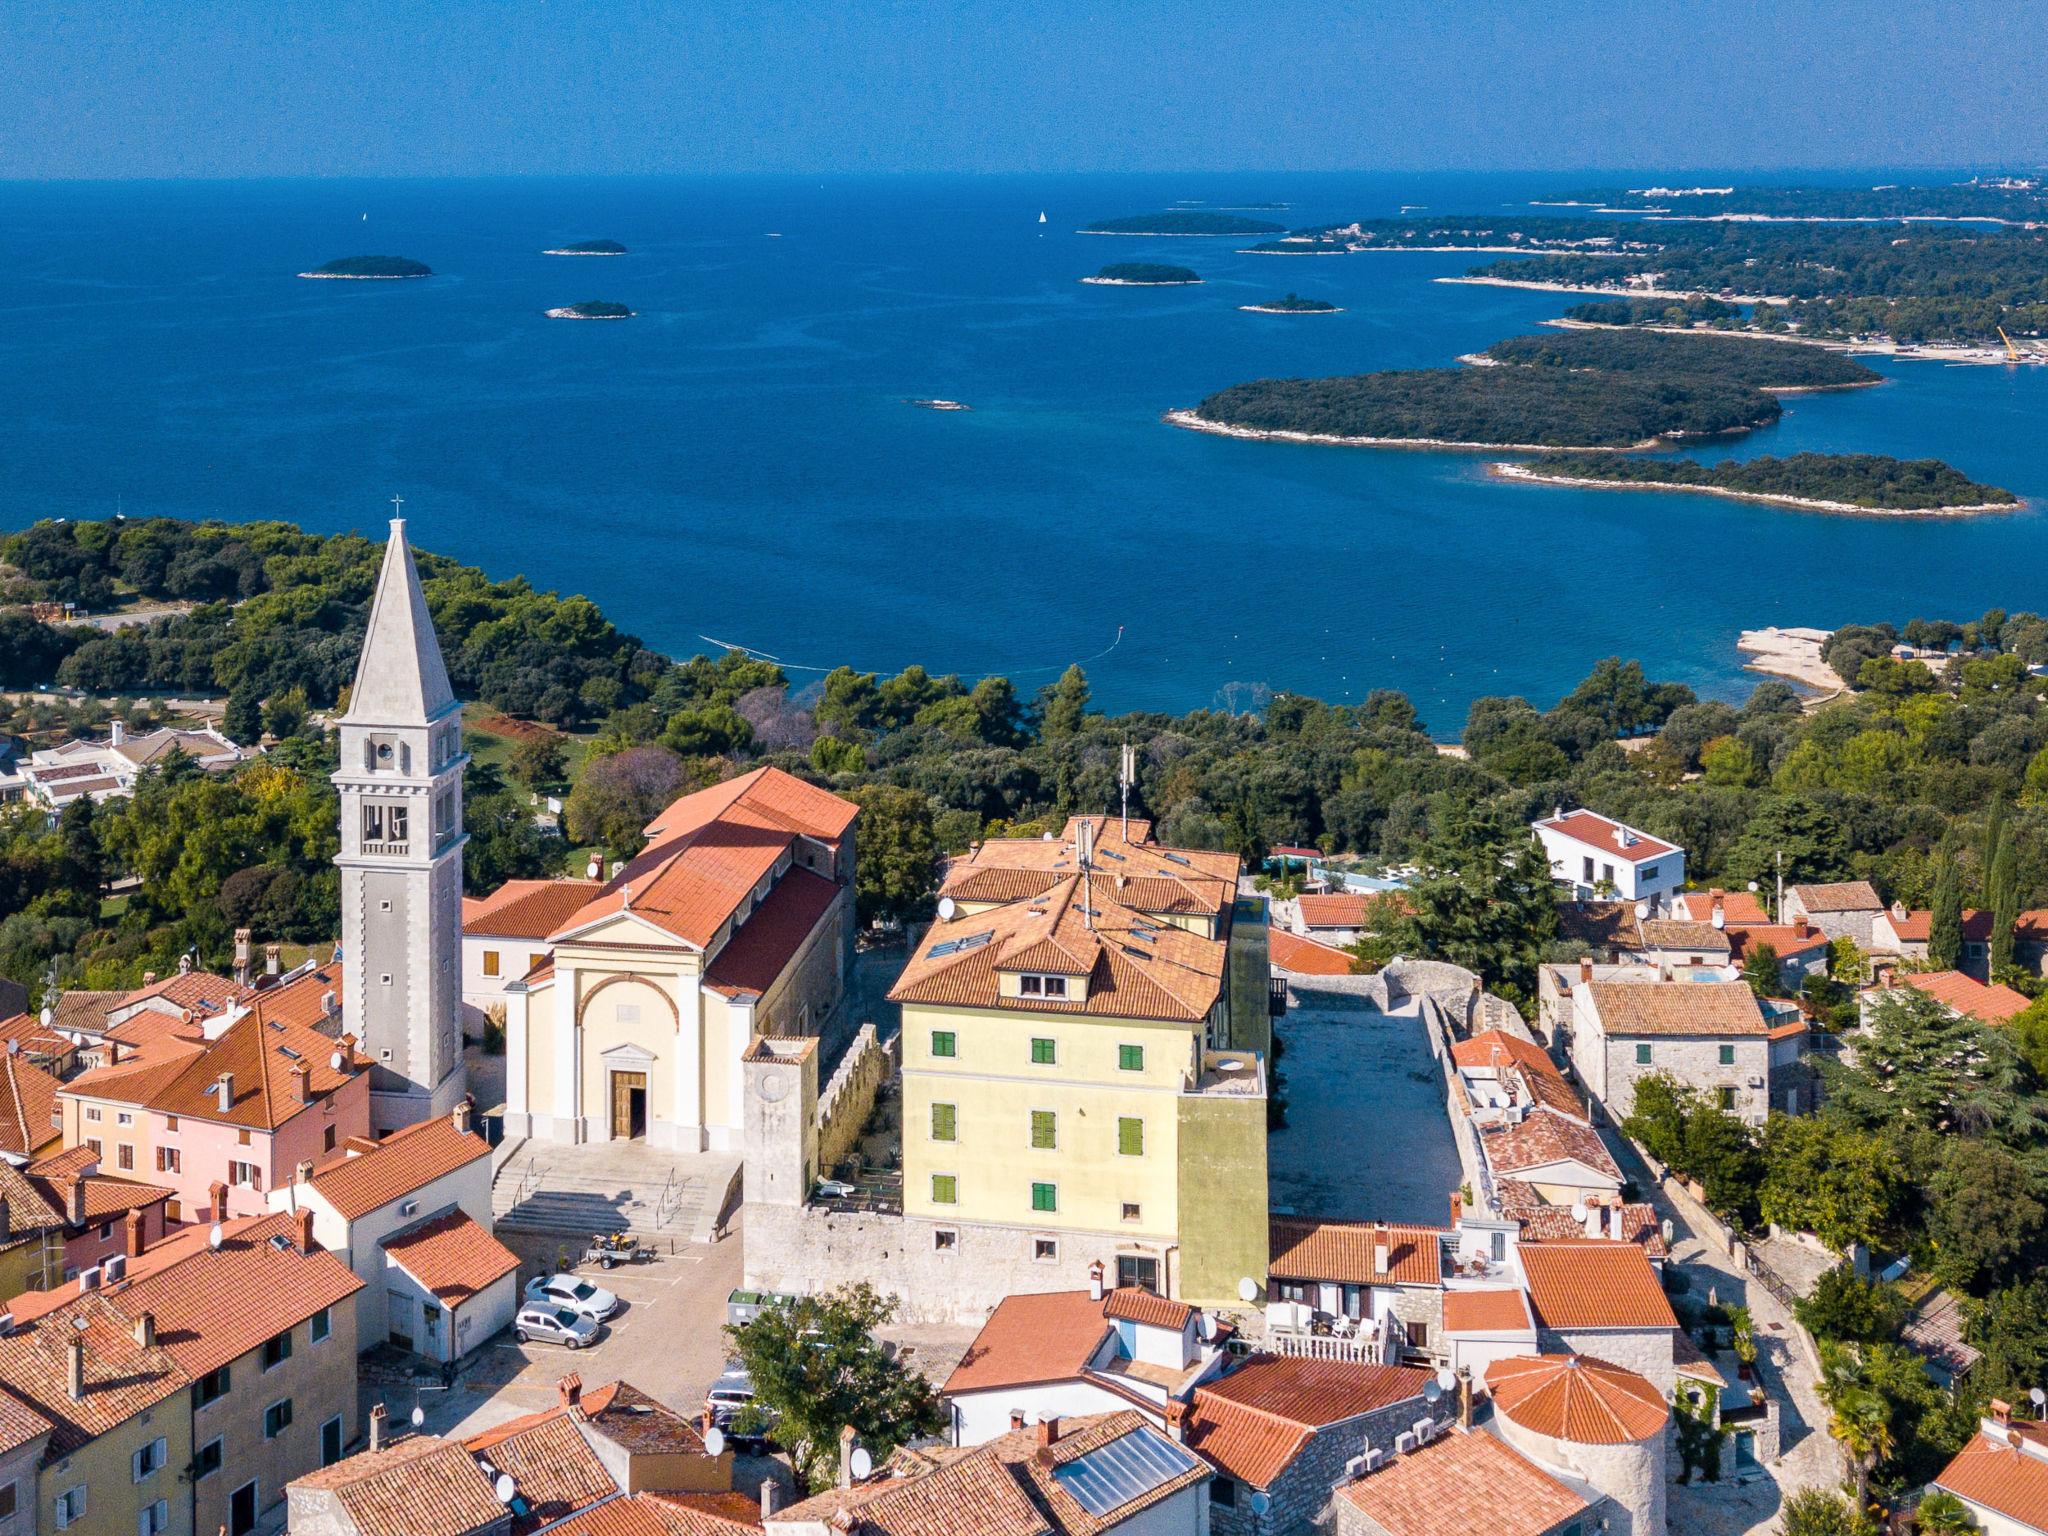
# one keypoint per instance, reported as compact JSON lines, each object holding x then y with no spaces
{"x":1945,"y":923}
{"x":243,"y":720}
{"x":2004,"y":901}
{"x":1063,"y":705}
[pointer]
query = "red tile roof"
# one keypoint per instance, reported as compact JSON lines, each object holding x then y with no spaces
{"x":702,"y":1512}
{"x":1305,"y":957}
{"x":422,"y":1486}
{"x":301,"y":1000}
{"x":1254,"y":1421}
{"x":199,"y":991}
{"x":41,"y":1045}
{"x":402,"y":1162}
{"x":19,"y":1424}
{"x":1736,"y":906}
{"x":1838,"y":896}
{"x":772,"y":934}
{"x":526,"y":909}
{"x":1594,"y":1284}
{"x":1917,"y":926}
{"x":666,"y":1514}
{"x":2000,"y":1477}
{"x":1486,"y":1312}
{"x":1344,"y":1252}
{"x":1333,"y":911}
{"x":1496,"y":1050}
{"x":27,"y":1095}
{"x":1544,"y":1223}
{"x":1597,"y":831}
{"x":1132,"y":1305}
{"x":121,"y":1377}
{"x":1544,"y":1138}
{"x":106,"y":1195}
{"x":1785,"y":938}
{"x":453,"y":1256}
{"x":556,"y":1469}
{"x":1577,"y":1398}
{"x":1965,"y":994}
{"x":768,"y":795}
{"x":1463,"y":1483}
{"x":1031,"y":1339}
{"x":261,"y":1052}
{"x":1680,"y":1008}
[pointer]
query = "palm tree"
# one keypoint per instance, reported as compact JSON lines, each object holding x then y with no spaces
{"x":1862,"y":1421}
{"x":1943,"y":1514}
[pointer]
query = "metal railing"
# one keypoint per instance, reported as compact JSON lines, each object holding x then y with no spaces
{"x":1363,"y":1348}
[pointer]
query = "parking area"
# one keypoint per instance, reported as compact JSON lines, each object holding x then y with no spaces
{"x":1367,"y":1136}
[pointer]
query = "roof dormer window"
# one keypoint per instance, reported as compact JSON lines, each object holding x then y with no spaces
{"x":1029,"y":985}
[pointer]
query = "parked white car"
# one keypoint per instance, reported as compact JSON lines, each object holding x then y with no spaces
{"x":554,"y":1325}
{"x":593,"y":1301}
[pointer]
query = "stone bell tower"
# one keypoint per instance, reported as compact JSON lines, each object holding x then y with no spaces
{"x":401,"y":855}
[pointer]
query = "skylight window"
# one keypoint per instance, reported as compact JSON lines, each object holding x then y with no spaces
{"x":960,"y":945}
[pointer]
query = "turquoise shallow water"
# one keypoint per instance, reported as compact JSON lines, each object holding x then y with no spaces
{"x":738,"y":462}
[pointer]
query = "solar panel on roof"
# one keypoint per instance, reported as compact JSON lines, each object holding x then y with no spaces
{"x":1107,"y":854}
{"x":1135,"y":952}
{"x":1174,"y":858}
{"x":1129,"y":1467}
{"x":956,"y":946}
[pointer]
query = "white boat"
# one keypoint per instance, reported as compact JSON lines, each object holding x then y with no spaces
{"x":1041,"y":218}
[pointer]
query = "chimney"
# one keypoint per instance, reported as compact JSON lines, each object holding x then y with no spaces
{"x":302,"y":1084}
{"x":770,"y":1492}
{"x":224,"y":1092}
{"x":217,"y":1192}
{"x":1465,"y":1398}
{"x":134,"y":1224}
{"x":1049,"y":1430}
{"x":1095,"y":1281}
{"x":847,"y":1440}
{"x":302,"y":1220}
{"x":1898,"y":911}
{"x":379,"y":1416}
{"x":75,"y":1375}
{"x":185,"y":964}
{"x":1585,"y":970}
{"x":149,"y":978}
{"x":2001,"y":1411}
{"x":460,"y":1116}
{"x":1381,"y":1251}
{"x":1457,"y":1207}
{"x":1593,"y":1221}
{"x":145,"y":1330}
{"x":117,"y":732}
{"x":241,"y":957}
{"x":273,"y":960}
{"x":1614,"y":1221}
{"x":303,"y":1174}
{"x":570,"y":1390}
{"x":76,"y":1215}
{"x":1176,"y":1418}
{"x":1801,"y":929}
{"x":1016,"y":1419}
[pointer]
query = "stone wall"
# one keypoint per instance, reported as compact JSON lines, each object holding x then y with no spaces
{"x":1301,"y":1494}
{"x":1646,"y":1351}
{"x":1695,"y":1064}
{"x":845,"y":1102}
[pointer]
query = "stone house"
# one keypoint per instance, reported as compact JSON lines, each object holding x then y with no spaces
{"x":1463,"y":1480}
{"x":1708,"y":1035}
{"x":1843,"y":909}
{"x":24,"y":1436}
{"x":1603,"y":1299}
{"x":1388,"y":1278}
{"x":1903,"y":934}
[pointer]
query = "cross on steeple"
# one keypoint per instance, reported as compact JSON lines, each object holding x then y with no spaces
{"x":397,"y":504}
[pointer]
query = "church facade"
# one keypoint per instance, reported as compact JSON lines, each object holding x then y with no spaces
{"x":735,"y":921}
{"x":400,"y":782}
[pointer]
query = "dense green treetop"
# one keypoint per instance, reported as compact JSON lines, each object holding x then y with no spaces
{"x":1753,"y":363}
{"x":1146,"y":272}
{"x":374,"y":266}
{"x":1871,"y":480}
{"x":1989,"y":197}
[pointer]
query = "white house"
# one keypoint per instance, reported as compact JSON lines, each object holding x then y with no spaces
{"x":378,"y":1192}
{"x":81,"y":769}
{"x":505,"y":934}
{"x":1596,"y":855}
{"x":2002,"y":1475}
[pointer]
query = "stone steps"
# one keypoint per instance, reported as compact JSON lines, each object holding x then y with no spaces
{"x":574,"y":1192}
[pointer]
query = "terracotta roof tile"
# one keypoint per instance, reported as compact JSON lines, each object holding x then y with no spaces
{"x":453,"y":1256}
{"x":1464,"y":1483}
{"x":526,"y":909}
{"x":657,"y":1514}
{"x":1965,"y":994}
{"x":1539,"y":1076}
{"x":27,"y":1095}
{"x":643,"y":1424}
{"x":1681,"y":1008}
{"x":1253,"y":1422}
{"x":2003,"y":1478}
{"x":1028,"y":1339}
{"x":1344,"y":1252}
{"x":402,"y":1162}
{"x":200,"y":991}
{"x":772,"y":934}
{"x":689,"y":884}
{"x":703,"y":1512}
{"x":1335,"y":911}
{"x":1546,"y":1223}
{"x":1132,"y":1305}
{"x":40,"y":1044}
{"x":1736,"y":906}
{"x":19,"y":1424}
{"x":1577,"y":1398}
{"x":106,"y":1194}
{"x":302,"y":1000}
{"x":1305,"y":957}
{"x":1701,"y":939}
{"x":1604,"y":833}
{"x":84,"y":1012}
{"x":1916,"y":926}
{"x":770,"y":794}
{"x":121,"y":1377}
{"x":423,"y":1486}
{"x":1486,"y":1312}
{"x":1594,"y":1284}
{"x":556,"y":1470}
{"x":1156,"y":879}
{"x":1839,"y":896}
{"x":261,"y":1053}
{"x":1545,"y":1137}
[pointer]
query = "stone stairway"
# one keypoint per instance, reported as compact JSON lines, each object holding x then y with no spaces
{"x":573,"y":1191}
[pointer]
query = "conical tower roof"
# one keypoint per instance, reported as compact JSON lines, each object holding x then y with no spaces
{"x":1575,"y":1397}
{"x":401,"y":679}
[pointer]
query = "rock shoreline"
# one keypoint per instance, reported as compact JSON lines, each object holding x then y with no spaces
{"x":1512,"y":471}
{"x":1189,"y":421}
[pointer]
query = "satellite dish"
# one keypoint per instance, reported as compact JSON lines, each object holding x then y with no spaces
{"x":334,"y":1061}
{"x":1447,"y":1378}
{"x":2037,"y":1397}
{"x":1642,"y":909}
{"x":1579,"y":1211}
{"x":1247,"y":1289}
{"x":1261,"y":1501}
{"x":1205,"y":1325}
{"x":863,"y":1463}
{"x":504,"y":1487}
{"x":714,"y":1441}
{"x":1431,"y":1391}
{"x":216,"y":1237}
{"x":1045,"y":837}
{"x":419,"y":1415}
{"x":947,"y":907}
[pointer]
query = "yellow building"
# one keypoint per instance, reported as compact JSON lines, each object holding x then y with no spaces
{"x":121,"y":1426}
{"x":1084,"y":1062}
{"x":735,"y":921}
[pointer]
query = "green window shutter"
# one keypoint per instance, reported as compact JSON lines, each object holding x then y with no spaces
{"x":1130,"y":1137}
{"x":1042,"y":1053}
{"x":1727,"y":1055}
{"x":1642,"y":1055}
{"x":1044,"y":1129}
{"x":1130,"y":1058}
{"x":945,"y":1189}
{"x":942,"y":1042}
{"x":1045,"y":1197}
{"x":942,"y":1122}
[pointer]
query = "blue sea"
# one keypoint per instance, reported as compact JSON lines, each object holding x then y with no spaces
{"x":738,"y":464}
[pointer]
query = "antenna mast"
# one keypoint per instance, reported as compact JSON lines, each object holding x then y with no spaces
{"x":1125,"y":773}
{"x":1084,"y":840}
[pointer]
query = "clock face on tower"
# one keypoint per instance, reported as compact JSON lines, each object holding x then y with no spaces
{"x":774,"y":1086}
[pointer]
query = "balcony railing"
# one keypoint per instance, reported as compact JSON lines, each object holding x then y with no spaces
{"x":1366,"y":1347}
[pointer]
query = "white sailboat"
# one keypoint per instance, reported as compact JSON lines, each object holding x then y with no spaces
{"x":1041,"y":218}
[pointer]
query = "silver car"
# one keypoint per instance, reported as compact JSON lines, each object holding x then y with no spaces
{"x":555,"y":1325}
{"x":592,"y":1301}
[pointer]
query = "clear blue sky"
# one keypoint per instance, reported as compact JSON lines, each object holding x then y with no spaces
{"x":144,"y":88}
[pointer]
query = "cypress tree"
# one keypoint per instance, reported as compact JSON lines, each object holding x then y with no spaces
{"x":2004,"y":902}
{"x":1945,"y":925}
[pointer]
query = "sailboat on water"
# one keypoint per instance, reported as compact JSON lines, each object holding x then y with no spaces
{"x":1041,"y":218}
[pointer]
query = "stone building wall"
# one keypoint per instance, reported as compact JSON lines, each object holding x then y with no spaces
{"x":1646,"y":1351}
{"x":845,"y":1103}
{"x":1695,"y":1064}
{"x":1301,"y":1494}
